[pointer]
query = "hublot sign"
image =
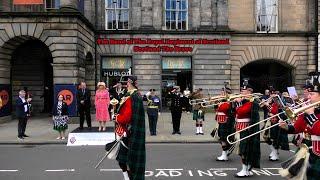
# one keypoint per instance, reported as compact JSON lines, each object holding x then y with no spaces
{"x":116,"y":72}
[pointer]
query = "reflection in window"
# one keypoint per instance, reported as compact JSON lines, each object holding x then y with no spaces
{"x":176,"y":14}
{"x":267,"y":16}
{"x":117,"y":14}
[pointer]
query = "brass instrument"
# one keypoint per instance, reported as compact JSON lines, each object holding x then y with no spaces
{"x":291,"y":113}
{"x":198,"y":101}
{"x":266,"y":101}
{"x":249,"y":96}
{"x":213,"y":101}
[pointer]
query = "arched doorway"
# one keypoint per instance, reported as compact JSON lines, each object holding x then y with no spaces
{"x":31,"y":69}
{"x":265,"y":73}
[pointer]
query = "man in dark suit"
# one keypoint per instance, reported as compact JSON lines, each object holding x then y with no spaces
{"x":22,"y":111}
{"x":84,"y":104}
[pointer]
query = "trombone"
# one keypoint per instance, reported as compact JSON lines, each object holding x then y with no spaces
{"x":253,"y":95}
{"x":198,"y":101}
{"x":291,"y":113}
{"x":213,"y":101}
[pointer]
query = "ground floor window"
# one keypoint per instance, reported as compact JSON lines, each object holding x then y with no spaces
{"x":113,"y":68}
{"x":176,"y":71}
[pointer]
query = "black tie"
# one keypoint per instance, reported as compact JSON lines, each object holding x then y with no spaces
{"x":83,"y":91}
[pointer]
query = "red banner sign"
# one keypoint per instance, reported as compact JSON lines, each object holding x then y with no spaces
{"x":27,"y":2}
{"x":162,"y":45}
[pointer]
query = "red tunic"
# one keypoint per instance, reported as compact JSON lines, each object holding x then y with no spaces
{"x":243,"y":115}
{"x":123,"y":118}
{"x":273,"y":111}
{"x":222,"y":111}
{"x":301,"y":126}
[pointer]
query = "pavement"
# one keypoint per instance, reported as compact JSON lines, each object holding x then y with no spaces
{"x":40,"y":130}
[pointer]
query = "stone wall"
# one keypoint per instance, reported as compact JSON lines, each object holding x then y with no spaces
{"x":68,"y":39}
{"x":292,"y":15}
{"x":210,"y":63}
{"x":202,"y":14}
{"x":296,"y":52}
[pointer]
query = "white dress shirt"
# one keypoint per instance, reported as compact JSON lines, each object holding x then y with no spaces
{"x":25,"y":106}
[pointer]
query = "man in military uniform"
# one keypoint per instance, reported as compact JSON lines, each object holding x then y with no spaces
{"x":176,"y":109}
{"x":225,"y":119}
{"x":275,"y":137}
{"x":198,"y":113}
{"x":309,"y":123}
{"x":153,"y":102}
{"x":247,"y":113}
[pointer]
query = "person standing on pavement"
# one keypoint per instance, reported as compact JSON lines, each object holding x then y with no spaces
{"x":198,"y":111}
{"x":84,"y":104}
{"x":153,"y":102}
{"x":186,"y":104}
{"x":60,"y":117}
{"x":176,"y":109}
{"x":22,"y":112}
{"x":130,"y":126}
{"x":102,"y":102}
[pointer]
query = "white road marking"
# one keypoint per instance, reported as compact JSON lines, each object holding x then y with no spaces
{"x":110,"y":170}
{"x":9,"y":170}
{"x":272,"y":168}
{"x":224,"y":169}
{"x":60,"y":170}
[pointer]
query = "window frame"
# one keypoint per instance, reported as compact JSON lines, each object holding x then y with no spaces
{"x":46,"y":8}
{"x":276,"y":20}
{"x":115,"y":9}
{"x":177,"y":11}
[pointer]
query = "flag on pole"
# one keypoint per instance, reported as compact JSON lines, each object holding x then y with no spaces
{"x":27,"y":2}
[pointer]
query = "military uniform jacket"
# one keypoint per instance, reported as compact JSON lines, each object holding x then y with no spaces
{"x":153,"y":104}
{"x":176,"y":101}
{"x":309,"y":124}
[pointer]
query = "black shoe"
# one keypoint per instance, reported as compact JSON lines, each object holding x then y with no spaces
{"x":197,"y":133}
{"x":179,"y":132}
{"x":25,"y":135}
{"x":201,"y":133}
{"x":174,"y":132}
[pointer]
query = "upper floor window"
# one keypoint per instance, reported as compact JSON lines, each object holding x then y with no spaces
{"x":117,"y":14}
{"x":267,"y":16}
{"x":176,"y":14}
{"x":52,"y":4}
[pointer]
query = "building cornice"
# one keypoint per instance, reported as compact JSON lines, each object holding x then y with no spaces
{"x":74,"y":14}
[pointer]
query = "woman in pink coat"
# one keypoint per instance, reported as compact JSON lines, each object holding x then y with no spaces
{"x":102,"y":101}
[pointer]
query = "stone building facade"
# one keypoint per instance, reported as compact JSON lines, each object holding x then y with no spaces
{"x":191,"y":43}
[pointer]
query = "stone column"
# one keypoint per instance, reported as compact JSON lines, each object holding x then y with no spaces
{"x":69,"y":5}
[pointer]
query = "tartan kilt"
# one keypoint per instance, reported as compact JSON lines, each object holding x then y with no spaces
{"x":123,"y":152}
{"x":196,"y":115}
{"x":225,"y":129}
{"x":249,"y":149}
{"x":280,"y":138}
{"x":313,"y":171}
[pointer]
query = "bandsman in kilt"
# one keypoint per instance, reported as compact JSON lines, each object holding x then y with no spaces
{"x":247,"y":113}
{"x":225,"y":119}
{"x":198,"y":111}
{"x":275,"y":137}
{"x":130,"y":126}
{"x":307,"y":163}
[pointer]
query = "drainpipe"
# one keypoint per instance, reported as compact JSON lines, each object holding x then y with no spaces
{"x":95,"y":39}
